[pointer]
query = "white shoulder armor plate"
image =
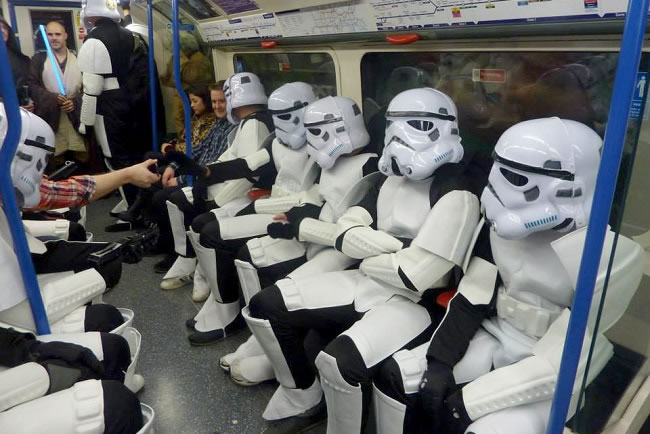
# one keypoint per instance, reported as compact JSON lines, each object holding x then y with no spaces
{"x":93,"y":57}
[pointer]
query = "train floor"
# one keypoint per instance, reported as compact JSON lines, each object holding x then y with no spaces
{"x":184,"y":384}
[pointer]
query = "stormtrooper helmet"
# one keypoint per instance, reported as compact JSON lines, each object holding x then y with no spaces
{"x":335,"y":127}
{"x":32,"y":154}
{"x":242,"y":89}
{"x":287,"y":105}
{"x":98,"y":8}
{"x":543,"y":177}
{"x":421,"y":134}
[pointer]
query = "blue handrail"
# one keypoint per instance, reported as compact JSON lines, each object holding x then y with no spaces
{"x":8,"y":93}
{"x":177,"y":78}
{"x":153,"y":79}
{"x":628,"y":64}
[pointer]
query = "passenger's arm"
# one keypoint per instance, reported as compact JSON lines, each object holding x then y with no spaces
{"x":138,"y":175}
{"x":440,"y":244}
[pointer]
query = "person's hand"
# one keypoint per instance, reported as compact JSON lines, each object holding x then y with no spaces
{"x":67,"y":105}
{"x":66,"y":363}
{"x":169,"y":178}
{"x":141,"y":175}
{"x":29,"y":107}
{"x":282,"y":217}
{"x":437,"y":382}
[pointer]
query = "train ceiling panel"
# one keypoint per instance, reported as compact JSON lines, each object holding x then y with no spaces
{"x":248,"y":20}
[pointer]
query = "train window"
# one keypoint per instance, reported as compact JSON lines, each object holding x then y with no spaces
{"x":276,"y":69}
{"x":494,"y":90}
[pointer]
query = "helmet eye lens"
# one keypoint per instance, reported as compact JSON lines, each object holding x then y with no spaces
{"x":315,"y":131}
{"x":421,"y":125}
{"x":284,"y":117}
{"x":514,"y":178}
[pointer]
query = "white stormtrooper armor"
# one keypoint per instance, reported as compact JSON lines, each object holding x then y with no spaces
{"x":98,"y":8}
{"x":335,"y":127}
{"x":512,"y":362}
{"x":421,"y":127}
{"x":287,"y":104}
{"x":241,"y":89}
{"x":385,"y":289}
{"x":32,"y":155}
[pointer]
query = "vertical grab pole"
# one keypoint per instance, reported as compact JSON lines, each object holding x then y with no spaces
{"x":177,"y":77}
{"x":153,"y":78}
{"x":8,"y":93}
{"x":628,"y":64}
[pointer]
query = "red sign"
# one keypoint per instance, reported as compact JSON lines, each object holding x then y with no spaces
{"x":489,"y":75}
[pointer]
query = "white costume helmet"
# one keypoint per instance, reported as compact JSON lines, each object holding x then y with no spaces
{"x":242,"y":89}
{"x":334,"y":127}
{"x":543,"y":177}
{"x":421,"y":134}
{"x":35,"y":146}
{"x":98,"y":8}
{"x":287,"y":104}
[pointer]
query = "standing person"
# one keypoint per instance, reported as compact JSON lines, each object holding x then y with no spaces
{"x":18,"y":62}
{"x":107,"y":104}
{"x":61,"y":112}
{"x":195,"y":68}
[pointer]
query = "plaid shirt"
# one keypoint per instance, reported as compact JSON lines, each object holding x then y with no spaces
{"x":72,"y":192}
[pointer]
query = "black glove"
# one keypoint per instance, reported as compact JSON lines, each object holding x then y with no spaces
{"x":66,"y":363}
{"x":437,"y":382}
{"x":186,"y":165}
{"x":456,"y":418}
{"x":280,"y":230}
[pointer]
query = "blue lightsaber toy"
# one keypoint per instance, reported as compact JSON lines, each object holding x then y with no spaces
{"x":53,"y":61}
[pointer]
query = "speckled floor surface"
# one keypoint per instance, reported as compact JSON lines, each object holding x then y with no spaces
{"x":184,"y":384}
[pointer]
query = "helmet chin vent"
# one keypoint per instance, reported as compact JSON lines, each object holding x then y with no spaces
{"x":565,"y":224}
{"x":395,"y":167}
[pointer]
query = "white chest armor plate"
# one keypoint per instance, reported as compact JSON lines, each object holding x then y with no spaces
{"x":296,"y":172}
{"x":531,"y":271}
{"x":243,"y":141}
{"x":402,"y":206}
{"x":337,"y":181}
{"x":12,"y":290}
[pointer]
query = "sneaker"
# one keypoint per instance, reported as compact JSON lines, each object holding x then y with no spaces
{"x":176,"y":282}
{"x":165,"y":264}
{"x":200,"y":293}
{"x":180,"y":274}
{"x":201,"y":289}
{"x":298,"y":424}
{"x":251,"y":371}
{"x":249,"y":348}
{"x":214,"y":336}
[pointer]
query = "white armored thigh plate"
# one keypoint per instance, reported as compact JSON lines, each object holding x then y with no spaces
{"x":402,"y":206}
{"x":324,"y":261}
{"x":244,"y":226}
{"x":266,"y":251}
{"x":74,"y":322}
{"x":53,"y":228}
{"x":478,"y":357}
{"x":320,"y":291}
{"x":231,"y":208}
{"x":386,"y":328}
{"x":511,"y":420}
{"x":79,"y":409}
{"x":90,"y":340}
{"x":22,"y":383}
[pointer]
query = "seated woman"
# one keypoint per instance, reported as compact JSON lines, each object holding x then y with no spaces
{"x":210,"y":131}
